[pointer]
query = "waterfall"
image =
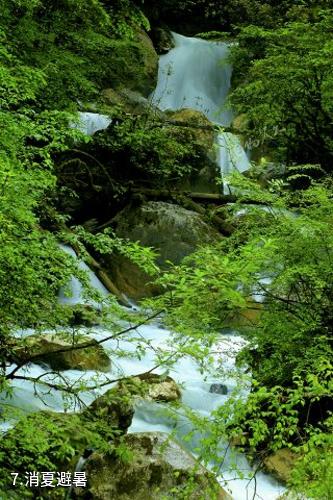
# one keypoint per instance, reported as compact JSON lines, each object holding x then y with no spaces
{"x":196,"y":74}
{"x":231,"y":157}
{"x":89,"y":123}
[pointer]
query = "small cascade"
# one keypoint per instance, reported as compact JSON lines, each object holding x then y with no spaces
{"x":196,"y":74}
{"x":231,"y":156}
{"x":75,"y":287}
{"x":89,"y":123}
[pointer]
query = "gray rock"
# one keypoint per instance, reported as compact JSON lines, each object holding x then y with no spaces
{"x":172,"y":230}
{"x":152,"y":387}
{"x":131,"y":102}
{"x":218,"y":389}
{"x":157,"y":468}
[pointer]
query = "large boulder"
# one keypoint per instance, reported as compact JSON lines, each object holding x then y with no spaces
{"x":281,"y":464}
{"x":153,"y":387}
{"x":172,"y":230}
{"x":203,"y":130}
{"x":61,"y":352}
{"x":135,"y":64}
{"x":157,"y":467}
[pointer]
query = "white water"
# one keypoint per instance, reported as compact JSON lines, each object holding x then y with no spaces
{"x":76,"y":288}
{"x":199,"y":81}
{"x":196,"y":74}
{"x":148,"y":416}
{"x":89,"y":123}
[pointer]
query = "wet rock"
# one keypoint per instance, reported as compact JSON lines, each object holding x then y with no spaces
{"x":218,"y":389}
{"x":153,"y":387}
{"x":281,"y":464}
{"x":72,"y":356}
{"x":162,"y":39}
{"x":158,"y":467}
{"x":131,"y":102}
{"x":172,"y":230}
{"x":202,"y":178}
{"x":202,"y":128}
{"x":240,"y":124}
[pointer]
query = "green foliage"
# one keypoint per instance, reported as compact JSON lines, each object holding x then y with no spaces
{"x":285,"y":257}
{"x":285,"y":86}
{"x":50,"y":55}
{"x":47,"y":442}
{"x":53,"y":54}
{"x":72,"y":44}
{"x":148,"y":149}
{"x":313,"y":474}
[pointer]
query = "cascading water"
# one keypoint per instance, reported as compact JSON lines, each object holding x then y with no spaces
{"x":196,"y":391}
{"x":196,"y":74}
{"x":89,"y":123}
{"x":76,"y":288}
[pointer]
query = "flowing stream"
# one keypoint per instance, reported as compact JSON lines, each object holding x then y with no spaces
{"x":196,"y":390}
{"x":194,"y":74}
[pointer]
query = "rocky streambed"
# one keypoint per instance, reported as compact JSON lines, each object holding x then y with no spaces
{"x":129,"y":435}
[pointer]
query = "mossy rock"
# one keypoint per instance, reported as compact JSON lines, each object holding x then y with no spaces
{"x":281,"y":464}
{"x":43,"y":346}
{"x":135,"y":64}
{"x":157,"y":467}
{"x":204,"y":175}
{"x":44,"y":441}
{"x":151,"y":386}
{"x":203,"y":130}
{"x":114,"y":408}
{"x":131,"y":102}
{"x":240,"y":123}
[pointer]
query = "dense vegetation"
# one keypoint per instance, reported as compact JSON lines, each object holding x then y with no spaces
{"x":55,"y":59}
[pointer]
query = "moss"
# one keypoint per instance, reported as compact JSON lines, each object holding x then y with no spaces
{"x":44,"y":346}
{"x":134,"y":64}
{"x":44,"y":441}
